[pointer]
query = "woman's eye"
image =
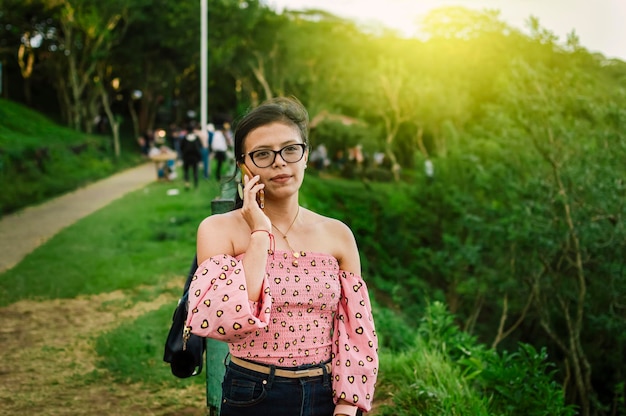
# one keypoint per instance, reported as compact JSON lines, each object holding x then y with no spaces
{"x":262,"y":154}
{"x":291,"y":149}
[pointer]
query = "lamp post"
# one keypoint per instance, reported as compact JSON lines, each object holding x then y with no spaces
{"x":204,"y":9}
{"x":215,"y":350}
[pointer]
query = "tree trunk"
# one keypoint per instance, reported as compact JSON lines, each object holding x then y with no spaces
{"x":419,"y":140}
{"x":134,"y":117}
{"x":573,"y":315}
{"x":395,"y":166}
{"x":470,"y":323}
{"x":259,"y":74}
{"x":64,"y":100}
{"x":26,"y":60}
{"x":113,"y":122}
{"x":582,"y":370}
{"x":502,"y":333}
{"x":75,"y":86}
{"x":28,"y":96}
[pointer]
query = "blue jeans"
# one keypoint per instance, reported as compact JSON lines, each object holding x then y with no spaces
{"x":247,"y":392}
{"x":205,"y":162}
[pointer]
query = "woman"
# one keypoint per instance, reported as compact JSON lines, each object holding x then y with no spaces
{"x":282,"y":285}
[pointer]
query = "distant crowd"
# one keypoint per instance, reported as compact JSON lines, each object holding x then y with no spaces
{"x":189,"y":147}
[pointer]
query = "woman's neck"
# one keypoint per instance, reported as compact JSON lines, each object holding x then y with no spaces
{"x":284,"y":214}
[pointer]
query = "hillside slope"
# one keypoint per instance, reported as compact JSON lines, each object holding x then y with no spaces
{"x":40,"y":159}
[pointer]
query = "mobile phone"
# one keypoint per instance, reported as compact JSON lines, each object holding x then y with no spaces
{"x":260,"y":196}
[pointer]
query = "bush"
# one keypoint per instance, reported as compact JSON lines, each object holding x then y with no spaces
{"x":522,"y":383}
{"x":446,"y":371}
{"x":424,"y":382}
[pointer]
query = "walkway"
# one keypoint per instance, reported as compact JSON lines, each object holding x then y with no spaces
{"x":22,"y":232}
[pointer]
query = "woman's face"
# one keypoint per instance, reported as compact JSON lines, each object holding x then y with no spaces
{"x":281,"y":178}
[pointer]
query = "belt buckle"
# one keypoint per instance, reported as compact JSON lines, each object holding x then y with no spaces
{"x":302,"y":372}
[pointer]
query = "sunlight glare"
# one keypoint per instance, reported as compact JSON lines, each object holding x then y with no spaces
{"x":599,"y":24}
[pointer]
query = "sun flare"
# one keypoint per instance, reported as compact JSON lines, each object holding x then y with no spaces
{"x":599,"y":24}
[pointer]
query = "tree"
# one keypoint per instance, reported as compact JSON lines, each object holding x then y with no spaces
{"x":159,"y":71}
{"x":103,"y":75}
{"x":576,"y":200}
{"x":88,"y":31}
{"x":26,"y":36}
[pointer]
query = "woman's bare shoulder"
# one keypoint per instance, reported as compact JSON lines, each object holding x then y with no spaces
{"x":334,"y":237}
{"x":331,"y":226}
{"x":218,"y":233}
{"x":221,"y":222}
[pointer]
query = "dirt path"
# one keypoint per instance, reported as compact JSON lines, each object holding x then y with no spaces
{"x":22,"y":232}
{"x":48,"y":356}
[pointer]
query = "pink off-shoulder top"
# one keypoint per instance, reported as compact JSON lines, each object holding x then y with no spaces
{"x":309,"y":311}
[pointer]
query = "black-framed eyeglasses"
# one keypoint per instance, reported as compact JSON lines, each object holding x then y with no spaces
{"x":264,"y":158}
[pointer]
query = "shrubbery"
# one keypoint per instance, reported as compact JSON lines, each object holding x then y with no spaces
{"x":444,"y":371}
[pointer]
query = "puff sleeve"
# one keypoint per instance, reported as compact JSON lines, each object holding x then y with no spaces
{"x":219,"y":307}
{"x":355,"y":345}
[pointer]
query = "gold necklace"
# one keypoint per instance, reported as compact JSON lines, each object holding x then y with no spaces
{"x":294,"y":252}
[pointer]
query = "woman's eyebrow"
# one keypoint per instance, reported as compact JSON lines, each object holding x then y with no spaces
{"x":283,"y":144}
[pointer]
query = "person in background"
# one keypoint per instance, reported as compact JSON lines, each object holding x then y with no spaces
{"x":174,"y":138}
{"x":191,"y":151}
{"x":319,"y":157}
{"x":282,"y":285}
{"x":207,"y":139}
{"x":164,"y":159}
{"x":219,"y":146}
{"x":178,"y":136}
{"x":146,"y":142}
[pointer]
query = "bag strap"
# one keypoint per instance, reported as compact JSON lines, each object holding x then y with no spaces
{"x":192,"y":271}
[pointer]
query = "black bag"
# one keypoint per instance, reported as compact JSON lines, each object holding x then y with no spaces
{"x":188,"y":362}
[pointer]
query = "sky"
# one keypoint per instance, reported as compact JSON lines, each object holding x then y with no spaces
{"x":599,"y":24}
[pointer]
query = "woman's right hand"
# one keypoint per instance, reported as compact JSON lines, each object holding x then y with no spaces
{"x":250,"y":210}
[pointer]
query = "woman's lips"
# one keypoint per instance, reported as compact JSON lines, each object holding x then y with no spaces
{"x":281,"y":178}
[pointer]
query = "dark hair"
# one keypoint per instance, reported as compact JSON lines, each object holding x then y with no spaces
{"x":287,"y":110}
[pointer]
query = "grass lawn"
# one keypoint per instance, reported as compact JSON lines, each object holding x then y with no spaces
{"x":88,"y":311}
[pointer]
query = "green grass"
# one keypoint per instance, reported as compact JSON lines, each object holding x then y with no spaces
{"x":424,"y":382}
{"x":144,"y":238}
{"x":24,"y":127}
{"x":133,"y":352}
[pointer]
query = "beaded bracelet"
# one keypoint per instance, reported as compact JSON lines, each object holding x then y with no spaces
{"x":272,"y":240}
